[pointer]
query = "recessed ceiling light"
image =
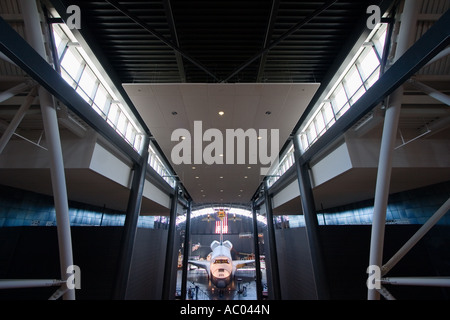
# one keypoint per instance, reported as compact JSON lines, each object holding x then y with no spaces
{"x":221,"y":190}
{"x":268,"y":113}
{"x":249,"y":167}
{"x":197,"y":177}
{"x":183,"y":138}
{"x":221,"y":177}
{"x":193,"y":168}
{"x":221,"y":113}
{"x":259,"y":138}
{"x":245,"y":177}
{"x":221,"y":155}
{"x":174,"y":113}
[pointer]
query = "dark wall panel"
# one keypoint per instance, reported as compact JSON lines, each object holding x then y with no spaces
{"x":346,"y":258}
{"x":32,"y":253}
{"x":147,"y":268}
{"x":294,"y":262}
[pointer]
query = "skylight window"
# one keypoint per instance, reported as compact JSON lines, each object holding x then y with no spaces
{"x":71,"y":64}
{"x":357,"y":78}
{"x":78,"y":70}
{"x":368,"y":62}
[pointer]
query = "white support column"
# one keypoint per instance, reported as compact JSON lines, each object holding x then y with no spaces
{"x":5,"y":95}
{"x":405,"y":40}
{"x":416,"y":237}
{"x":34,"y":35}
{"x":29,"y":283}
{"x":418,"y":281}
{"x":439,"y":96}
{"x":6,"y":136}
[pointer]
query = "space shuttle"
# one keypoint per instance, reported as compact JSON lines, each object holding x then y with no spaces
{"x":221,"y":267}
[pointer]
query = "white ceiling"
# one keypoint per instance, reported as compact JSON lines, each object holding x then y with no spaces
{"x":245,"y":106}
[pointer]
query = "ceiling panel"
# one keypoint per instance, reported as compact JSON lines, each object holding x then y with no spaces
{"x":245,"y":107}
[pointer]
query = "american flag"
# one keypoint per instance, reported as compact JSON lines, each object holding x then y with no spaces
{"x":225,"y":225}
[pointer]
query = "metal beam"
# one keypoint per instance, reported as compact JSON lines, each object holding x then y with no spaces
{"x":418,"y":281}
{"x":439,"y":96}
{"x":311,"y":225}
{"x":11,"y":92}
{"x":29,"y":283}
{"x":430,"y":44}
{"x":130,"y":226}
{"x":168,"y":293}
{"x":19,"y":51}
{"x":9,"y":132}
{"x":391,"y":120}
{"x":416,"y":237}
{"x":257,"y":254}
{"x":166,"y":41}
{"x":173,"y":31}
{"x":33,"y":31}
{"x":186,"y":251}
{"x":281,"y":38}
{"x":270,"y":24}
{"x":274,"y":271}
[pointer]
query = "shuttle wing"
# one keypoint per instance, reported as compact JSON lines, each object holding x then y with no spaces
{"x":240,"y":263}
{"x":201,"y":264}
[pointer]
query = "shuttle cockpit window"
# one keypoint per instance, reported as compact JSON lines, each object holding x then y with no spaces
{"x":221,"y":261}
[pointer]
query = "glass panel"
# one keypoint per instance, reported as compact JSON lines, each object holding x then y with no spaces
{"x":380,"y":41}
{"x":320,"y":123}
{"x":72,"y":64}
{"x":304,"y":141}
{"x":352,"y":81}
{"x":60,"y":39}
{"x":68,"y":79}
{"x":357,"y":95}
{"x":339,"y":98}
{"x":342,"y":111}
{"x":311,"y":133}
{"x":138,"y":142}
{"x":122,"y":124}
{"x":368,"y":62}
{"x":373,"y":78}
{"x":328,"y":114}
{"x":129,"y":135}
{"x":113,"y":113}
{"x":88,"y":81}
{"x":101,"y":97}
{"x":83,"y":95}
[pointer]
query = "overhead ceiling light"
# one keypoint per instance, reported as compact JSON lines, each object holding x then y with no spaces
{"x":193,"y":168}
{"x":268,"y":113}
{"x":221,"y":113}
{"x":174,"y":113}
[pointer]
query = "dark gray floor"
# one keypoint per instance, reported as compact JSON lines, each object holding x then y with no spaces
{"x":199,"y":287}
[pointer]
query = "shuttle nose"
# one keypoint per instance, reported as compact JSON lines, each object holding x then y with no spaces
{"x":221,"y":284}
